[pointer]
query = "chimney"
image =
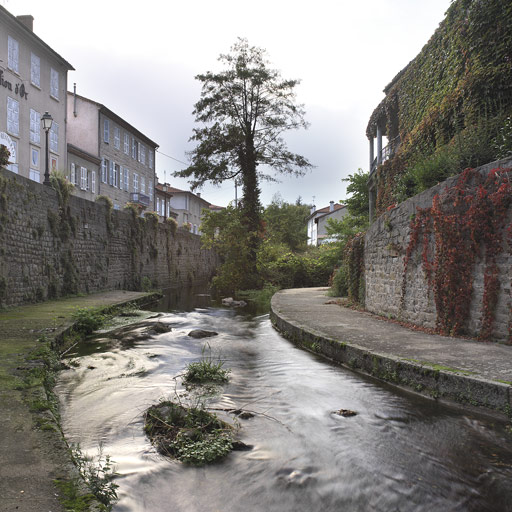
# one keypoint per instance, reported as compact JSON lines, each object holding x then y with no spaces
{"x":312,"y":210}
{"x":331,"y":206}
{"x":27,"y":20}
{"x":198,"y":194}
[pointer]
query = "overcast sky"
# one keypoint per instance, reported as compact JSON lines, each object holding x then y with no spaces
{"x":140,"y":58}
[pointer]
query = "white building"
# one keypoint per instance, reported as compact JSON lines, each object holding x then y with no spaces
{"x":317,"y":222}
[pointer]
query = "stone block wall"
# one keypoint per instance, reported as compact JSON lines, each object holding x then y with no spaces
{"x":47,"y":251}
{"x":385,"y":245}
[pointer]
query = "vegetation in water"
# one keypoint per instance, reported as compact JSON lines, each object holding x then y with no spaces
{"x":206,"y":370}
{"x":190,"y":434}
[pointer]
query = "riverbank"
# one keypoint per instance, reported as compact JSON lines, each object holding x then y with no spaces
{"x":465,"y":371}
{"x":32,"y":454}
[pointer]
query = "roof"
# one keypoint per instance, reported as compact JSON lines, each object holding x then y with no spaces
{"x":83,"y":154}
{"x":160,"y":188}
{"x":175,"y":191}
{"x":118,"y":119}
{"x":326,"y":211}
{"x":36,"y":39}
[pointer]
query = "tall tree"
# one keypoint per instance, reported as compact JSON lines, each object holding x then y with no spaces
{"x":244,"y":110}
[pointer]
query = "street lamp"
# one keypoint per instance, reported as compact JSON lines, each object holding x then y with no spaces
{"x":47,"y":121}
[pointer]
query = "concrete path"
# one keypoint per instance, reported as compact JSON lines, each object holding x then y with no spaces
{"x":31,"y":458}
{"x":467,"y":371}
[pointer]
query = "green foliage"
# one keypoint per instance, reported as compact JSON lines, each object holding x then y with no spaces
{"x":98,"y":474}
{"x":286,"y":223}
{"x":190,"y":434}
{"x":452,"y":100}
{"x":206,"y":370}
{"x":146,"y":284}
{"x":357,"y":202}
{"x":259,"y":299}
{"x":173,"y":224}
{"x":339,"y":282}
{"x":151,"y":219}
{"x":345,"y":229}
{"x":4,"y":156}
{"x":62,"y":186}
{"x":86,"y":321}
{"x":295,"y":270}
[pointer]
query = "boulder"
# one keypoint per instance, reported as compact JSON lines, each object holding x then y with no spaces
{"x":201,"y":333}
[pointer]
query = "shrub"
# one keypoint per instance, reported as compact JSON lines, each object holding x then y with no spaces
{"x":172,"y":223}
{"x":206,"y":370}
{"x":86,"y":321}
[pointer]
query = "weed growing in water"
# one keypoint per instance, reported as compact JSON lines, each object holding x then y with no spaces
{"x":206,"y":370}
{"x":98,"y":474}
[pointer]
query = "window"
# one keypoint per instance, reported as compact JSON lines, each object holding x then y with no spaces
{"x":13,"y":158}
{"x":150,"y":159}
{"x":73,"y":173}
{"x":135,"y":182}
{"x":104,"y":170}
{"x":54,"y":138}
{"x":111,"y":173}
{"x":54,"y":83}
{"x":13,"y":53}
{"x":117,"y":137}
{"x":13,"y":116}
{"x":150,"y":190}
{"x":83,"y":178}
{"x":117,"y":175}
{"x":142,"y":154}
{"x":121,"y":177}
{"x":93,"y":182}
{"x":35,"y":127}
{"x":142,"y":185}
{"x":106,"y":131}
{"x":54,"y":163}
{"x":34,"y":175}
{"x":126,"y":179}
{"x":34,"y":158}
{"x":158,"y":205}
{"x":134,"y":149}
{"x":126,"y":144}
{"x":35,"y":70}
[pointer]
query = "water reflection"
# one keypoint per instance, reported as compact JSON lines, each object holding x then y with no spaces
{"x":399,"y":453}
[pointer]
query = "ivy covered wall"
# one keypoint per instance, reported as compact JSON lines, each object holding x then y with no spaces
{"x":451,"y":107}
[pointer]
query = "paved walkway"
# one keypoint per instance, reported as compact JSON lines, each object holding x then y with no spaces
{"x":30,"y":458}
{"x":469,"y":371}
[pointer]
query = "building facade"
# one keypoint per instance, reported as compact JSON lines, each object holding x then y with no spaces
{"x":33,"y":80}
{"x":126,"y":169}
{"x":317,"y":222}
{"x":189,"y":208}
{"x":163,"y":197}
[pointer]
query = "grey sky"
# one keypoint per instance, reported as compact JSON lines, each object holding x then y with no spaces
{"x":140,"y":59}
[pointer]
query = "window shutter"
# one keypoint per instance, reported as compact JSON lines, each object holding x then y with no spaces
{"x":111,"y":173}
{"x":73,"y":173}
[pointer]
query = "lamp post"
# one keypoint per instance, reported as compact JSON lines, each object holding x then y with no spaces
{"x":47,"y":121}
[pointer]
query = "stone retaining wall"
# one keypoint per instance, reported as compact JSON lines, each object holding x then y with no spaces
{"x":47,"y":251}
{"x":385,"y":246}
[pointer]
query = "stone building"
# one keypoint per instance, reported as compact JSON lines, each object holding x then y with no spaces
{"x":33,"y":80}
{"x":189,"y":207}
{"x":126,"y":157}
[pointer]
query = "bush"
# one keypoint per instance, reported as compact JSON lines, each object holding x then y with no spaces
{"x":173,"y":224}
{"x":86,"y":321}
{"x":339,"y":282}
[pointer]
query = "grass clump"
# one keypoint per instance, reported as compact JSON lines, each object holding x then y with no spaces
{"x":87,"y":320}
{"x":206,"y":370}
{"x":192,"y":435}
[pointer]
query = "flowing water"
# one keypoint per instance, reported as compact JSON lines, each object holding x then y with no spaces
{"x":399,"y":453}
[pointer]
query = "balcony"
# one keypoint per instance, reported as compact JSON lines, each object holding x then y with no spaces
{"x":385,"y":154}
{"x":140,"y":199}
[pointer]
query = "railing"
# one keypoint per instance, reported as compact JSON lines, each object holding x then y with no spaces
{"x":386,"y":153}
{"x":141,"y":199}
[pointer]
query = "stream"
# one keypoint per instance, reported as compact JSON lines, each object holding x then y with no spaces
{"x":401,"y":452}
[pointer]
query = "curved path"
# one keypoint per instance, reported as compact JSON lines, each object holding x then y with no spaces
{"x":466,"y":371}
